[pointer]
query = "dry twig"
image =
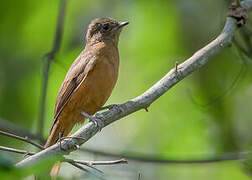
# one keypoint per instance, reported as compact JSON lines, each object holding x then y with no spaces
{"x":160,"y":160}
{"x":16,"y":150}
{"x":13,"y":128}
{"x":25,"y":139}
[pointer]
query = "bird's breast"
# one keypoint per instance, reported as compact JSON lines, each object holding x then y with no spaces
{"x":97,"y":86}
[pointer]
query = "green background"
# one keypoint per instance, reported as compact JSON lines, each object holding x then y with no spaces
{"x":207,"y":113}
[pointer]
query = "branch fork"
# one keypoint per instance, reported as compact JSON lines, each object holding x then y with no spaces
{"x":239,"y":13}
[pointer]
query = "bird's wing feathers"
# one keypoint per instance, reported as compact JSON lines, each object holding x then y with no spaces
{"x":74,"y":77}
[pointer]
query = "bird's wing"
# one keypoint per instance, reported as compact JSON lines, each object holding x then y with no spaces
{"x":74,"y":77}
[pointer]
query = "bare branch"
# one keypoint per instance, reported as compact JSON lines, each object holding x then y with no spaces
{"x":139,"y":157}
{"x":95,"y":163}
{"x":72,"y":162}
{"x":82,"y":163}
{"x":25,"y":139}
{"x":139,"y":176}
{"x":155,"y":159}
{"x":87,"y":171}
{"x":199,"y":59}
{"x":16,"y":150}
{"x":79,"y":167}
{"x":13,"y":128}
{"x":48,"y":59}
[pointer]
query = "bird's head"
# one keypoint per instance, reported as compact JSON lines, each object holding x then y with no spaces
{"x":104,"y":29}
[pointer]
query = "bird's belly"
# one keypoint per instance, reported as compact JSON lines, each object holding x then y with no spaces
{"x":93,"y":92}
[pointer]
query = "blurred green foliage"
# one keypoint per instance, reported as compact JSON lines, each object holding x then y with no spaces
{"x":207,"y":113}
{"x":7,"y":171}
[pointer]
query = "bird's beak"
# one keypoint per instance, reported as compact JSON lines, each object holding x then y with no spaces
{"x":122,"y":24}
{"x":119,"y":26}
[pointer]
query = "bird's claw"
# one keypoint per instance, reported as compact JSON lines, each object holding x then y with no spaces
{"x":118,"y":107}
{"x":97,"y":122}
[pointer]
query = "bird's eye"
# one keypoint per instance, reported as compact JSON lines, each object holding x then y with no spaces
{"x":105,"y":27}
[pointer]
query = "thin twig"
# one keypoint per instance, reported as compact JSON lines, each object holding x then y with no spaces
{"x":25,"y":139}
{"x":242,"y":49}
{"x":199,"y":59}
{"x":20,"y":131}
{"x":48,"y":59}
{"x":83,"y":163}
{"x":16,"y":150}
{"x":78,"y":166}
{"x":85,"y":170}
{"x":157,"y":159}
{"x":246,"y":36}
{"x":139,"y":176}
{"x":227,"y":91}
{"x":96,"y":163}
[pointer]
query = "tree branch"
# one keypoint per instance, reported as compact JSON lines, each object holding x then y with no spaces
{"x":95,"y":163}
{"x":13,"y":128}
{"x":131,"y":156}
{"x":87,"y":171}
{"x":79,"y":163}
{"x":48,"y":59}
{"x":136,"y":156}
{"x":25,"y":139}
{"x":143,"y":101}
{"x":91,"y":164}
{"x":155,"y":159}
{"x":16,"y":150}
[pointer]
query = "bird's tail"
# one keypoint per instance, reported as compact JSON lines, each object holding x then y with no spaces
{"x":55,"y":169}
{"x":57,"y":131}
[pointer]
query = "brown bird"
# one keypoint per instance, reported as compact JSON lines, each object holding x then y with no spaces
{"x":90,"y":80}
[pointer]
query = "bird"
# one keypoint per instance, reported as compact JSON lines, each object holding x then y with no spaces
{"x":90,"y":79}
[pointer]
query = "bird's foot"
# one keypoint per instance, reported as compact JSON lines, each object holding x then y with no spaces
{"x":59,"y":141}
{"x":97,"y":122}
{"x":118,"y":107}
